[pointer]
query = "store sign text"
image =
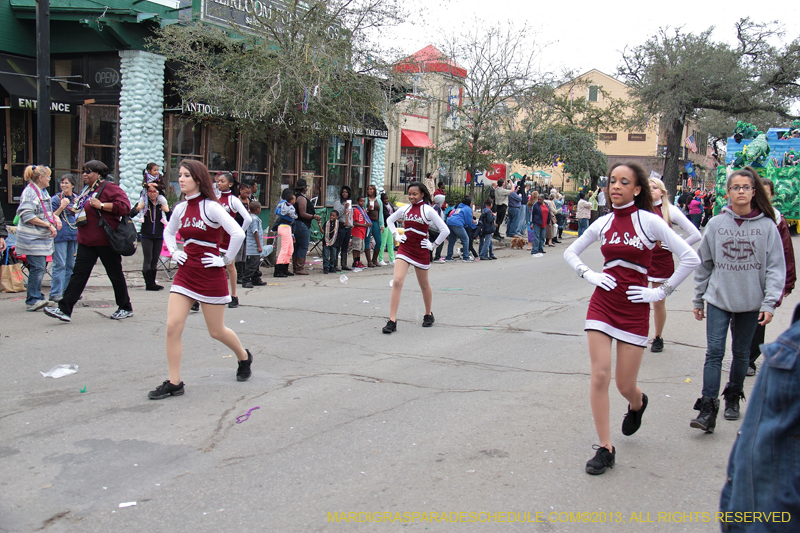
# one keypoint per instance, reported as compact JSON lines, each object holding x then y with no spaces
{"x":30,"y":103}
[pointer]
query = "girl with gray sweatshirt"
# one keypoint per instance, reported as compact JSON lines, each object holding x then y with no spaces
{"x":740,"y":279}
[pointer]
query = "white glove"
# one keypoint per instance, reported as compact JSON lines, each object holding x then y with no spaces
{"x":401,"y":238}
{"x":638,"y":294}
{"x":210,"y":260}
{"x":179,"y":256}
{"x":427,"y":244}
{"x":601,"y":279}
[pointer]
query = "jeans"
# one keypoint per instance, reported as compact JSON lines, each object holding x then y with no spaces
{"x":251,"y":268}
{"x":486,"y":247}
{"x":329,"y":255}
{"x":302,"y":234}
{"x":696,"y":219}
{"x":376,"y":234}
{"x":538,"y":239}
{"x":345,"y":233}
{"x":63,"y":262}
{"x":513,"y":220}
{"x":522,"y":223}
{"x":151,"y":251}
{"x":36,"y":266}
{"x":762,"y":469}
{"x":458,"y":233}
{"x":583,"y":224}
{"x":742,"y":326}
{"x":84,"y":263}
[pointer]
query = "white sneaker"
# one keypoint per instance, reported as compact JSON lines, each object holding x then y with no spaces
{"x":538,"y":255}
{"x":382,"y":263}
{"x":440,"y":260}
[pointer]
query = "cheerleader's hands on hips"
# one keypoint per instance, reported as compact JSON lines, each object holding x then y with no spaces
{"x":179,"y":256}
{"x":426,"y":244}
{"x":645,"y":295}
{"x":601,"y":279}
{"x":210,"y":260}
{"x":400,"y":237}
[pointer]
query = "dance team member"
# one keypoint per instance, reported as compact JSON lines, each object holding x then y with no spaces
{"x":662,"y":265}
{"x":233,"y":206}
{"x":740,"y":281}
{"x":414,"y":249}
{"x":201,"y":272}
{"x":618,"y":309}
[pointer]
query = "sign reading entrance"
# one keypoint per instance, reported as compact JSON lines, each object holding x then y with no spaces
{"x":61,"y":108}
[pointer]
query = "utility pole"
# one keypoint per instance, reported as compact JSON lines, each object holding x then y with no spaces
{"x":43,"y":82}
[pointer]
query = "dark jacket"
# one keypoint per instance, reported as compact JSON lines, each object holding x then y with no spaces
{"x":486,"y":222}
{"x":3,"y":229}
{"x":91,"y":233}
{"x":788,"y":252}
{"x":536,"y":215}
{"x":151,"y":229}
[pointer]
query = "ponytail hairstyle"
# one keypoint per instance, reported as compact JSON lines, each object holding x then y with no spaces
{"x":33,"y":174}
{"x":761,"y":198}
{"x":423,"y":190}
{"x":643,"y":200}
{"x":664,"y":200}
{"x":234,"y":184}
{"x":200,"y":175}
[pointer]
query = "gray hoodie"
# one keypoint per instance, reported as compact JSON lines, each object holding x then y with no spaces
{"x":742,"y":268}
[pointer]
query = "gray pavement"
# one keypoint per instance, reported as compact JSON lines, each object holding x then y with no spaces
{"x":488,"y":411}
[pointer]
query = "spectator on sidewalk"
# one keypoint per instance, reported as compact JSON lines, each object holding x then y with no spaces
{"x":583,"y":213}
{"x":344,"y":206}
{"x":360,"y":224}
{"x":253,"y":234}
{"x":514,"y":212}
{"x":66,"y":242}
{"x":501,"y":202}
{"x":460,"y":223}
{"x":387,"y":241}
{"x":330,"y":243}
{"x":486,"y":227}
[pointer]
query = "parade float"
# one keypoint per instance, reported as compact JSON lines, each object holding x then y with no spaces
{"x":775,"y":155}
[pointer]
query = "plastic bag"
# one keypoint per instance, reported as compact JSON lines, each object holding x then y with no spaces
{"x":59,"y":371}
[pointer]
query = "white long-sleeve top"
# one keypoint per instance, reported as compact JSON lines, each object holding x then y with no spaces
{"x":214,"y":216}
{"x":677,"y":217}
{"x":649,"y":228}
{"x":429,"y":215}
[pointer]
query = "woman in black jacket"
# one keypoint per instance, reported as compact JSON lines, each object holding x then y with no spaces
{"x":152,"y":234}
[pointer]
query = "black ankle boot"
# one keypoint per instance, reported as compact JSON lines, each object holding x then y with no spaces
{"x":732,"y":396}
{"x":707,"y":419}
{"x":280,"y":271}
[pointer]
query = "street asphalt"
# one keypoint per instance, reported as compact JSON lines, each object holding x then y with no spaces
{"x":472,"y":424}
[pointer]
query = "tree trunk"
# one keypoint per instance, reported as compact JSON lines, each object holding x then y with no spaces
{"x":673,"y":155}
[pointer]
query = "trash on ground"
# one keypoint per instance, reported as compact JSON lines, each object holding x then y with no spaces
{"x":275,"y":284}
{"x":688,"y":380}
{"x":365,"y":302}
{"x":241,"y":322}
{"x":343,"y":278}
{"x":59,"y":371}
{"x":127,"y":504}
{"x":391,"y":283}
{"x":451,"y":289}
{"x":227,"y":356}
{"x":83,"y":389}
{"x":242,"y":418}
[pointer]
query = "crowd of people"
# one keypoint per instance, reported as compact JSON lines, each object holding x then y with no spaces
{"x":743,"y":267}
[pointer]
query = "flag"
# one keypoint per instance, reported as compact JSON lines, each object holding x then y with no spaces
{"x":690,"y":169}
{"x":690,"y":143}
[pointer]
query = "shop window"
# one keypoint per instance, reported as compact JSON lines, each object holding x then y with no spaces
{"x":410,"y":165}
{"x":359,"y":166}
{"x":337,"y":168}
{"x":101,"y":136}
{"x":19,"y":132}
{"x":66,"y":133}
{"x":184,"y":142}
{"x":221,"y":148}
{"x":358,"y":145}
{"x":255,"y":170}
{"x":312,"y":157}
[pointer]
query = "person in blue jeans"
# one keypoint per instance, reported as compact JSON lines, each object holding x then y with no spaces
{"x":740,"y":280}
{"x":583,"y":213}
{"x":537,"y":226}
{"x":459,"y":221}
{"x":65,"y":245}
{"x":486,"y":227}
{"x":514,"y":204}
{"x":760,"y":474}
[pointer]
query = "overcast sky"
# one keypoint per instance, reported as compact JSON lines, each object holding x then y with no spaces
{"x":582,"y":35}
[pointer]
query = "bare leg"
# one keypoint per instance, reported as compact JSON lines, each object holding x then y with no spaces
{"x":629,"y":358}
{"x":177,"y":311}
{"x":231,"y":269}
{"x":659,"y":312}
{"x":215,"y":320}
{"x":400,"y":272}
{"x":425,"y":286}
{"x":600,"y":356}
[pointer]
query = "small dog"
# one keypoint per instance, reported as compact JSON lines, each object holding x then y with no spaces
{"x":517,"y":243}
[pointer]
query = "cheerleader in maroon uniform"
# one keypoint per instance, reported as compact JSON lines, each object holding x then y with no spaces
{"x":414,"y":249}
{"x":663,"y":266}
{"x":233,"y":206}
{"x":619,"y":308}
{"x":201,"y":272}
